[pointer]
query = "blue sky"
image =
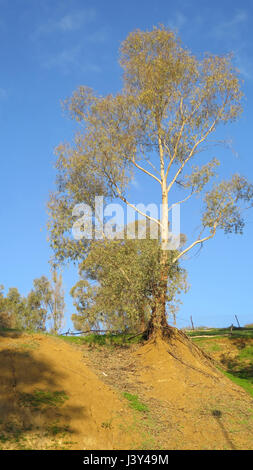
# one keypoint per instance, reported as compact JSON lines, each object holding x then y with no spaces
{"x":50,"y":48}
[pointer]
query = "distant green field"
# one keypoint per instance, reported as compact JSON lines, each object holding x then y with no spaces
{"x":236,"y":332}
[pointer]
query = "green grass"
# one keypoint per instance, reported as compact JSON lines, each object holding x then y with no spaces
{"x":208,"y":344}
{"x":135,"y":403}
{"x":215,"y":347}
{"x":42,"y":398}
{"x":15,"y":437}
{"x":32,"y":345}
{"x":103,"y":339}
{"x":56,"y":429}
{"x":240,"y":368}
{"x":247,"y":384}
{"x":246,"y":353}
{"x":108,"y":339}
{"x":3,"y":438}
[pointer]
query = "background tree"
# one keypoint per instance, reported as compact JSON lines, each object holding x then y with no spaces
{"x":57,"y":304}
{"x":44,"y":303}
{"x":34,"y":314}
{"x":170,"y":105}
{"x":15,"y":307}
{"x":5,"y":319}
{"x":50,"y":296}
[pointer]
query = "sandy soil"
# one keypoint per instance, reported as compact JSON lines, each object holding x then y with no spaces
{"x":189,"y":403}
{"x":92,"y":414}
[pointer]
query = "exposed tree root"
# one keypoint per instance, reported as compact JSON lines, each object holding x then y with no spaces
{"x":192,"y":367}
{"x":172,"y":338}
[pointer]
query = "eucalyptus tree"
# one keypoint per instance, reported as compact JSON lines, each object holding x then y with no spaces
{"x":50,"y":300}
{"x":117,"y":285}
{"x":170,"y":105}
{"x":5,"y":318}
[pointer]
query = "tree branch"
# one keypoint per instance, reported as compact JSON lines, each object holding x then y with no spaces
{"x":145,"y":171}
{"x":197,"y":242}
{"x":135,"y":208}
{"x":202,"y":139}
{"x":183,"y":200}
{"x":128,"y":203}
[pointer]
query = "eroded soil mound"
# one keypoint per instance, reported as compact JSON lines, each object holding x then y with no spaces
{"x":159,"y":395}
{"x":192,"y":405}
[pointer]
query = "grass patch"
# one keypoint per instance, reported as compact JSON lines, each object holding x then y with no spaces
{"x":247,"y":384}
{"x":106,"y":424}
{"x":103,"y":339}
{"x":42,"y":398}
{"x":208,"y":344}
{"x":246,"y":353}
{"x":32,"y":346}
{"x":56,"y":429}
{"x":12,"y":433}
{"x":238,"y":368}
{"x":3,"y":438}
{"x":135,"y":402}
{"x":215,"y":347}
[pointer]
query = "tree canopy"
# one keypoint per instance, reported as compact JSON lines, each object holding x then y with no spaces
{"x":42,"y":309}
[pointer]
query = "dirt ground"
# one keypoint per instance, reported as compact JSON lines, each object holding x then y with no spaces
{"x":90,"y":416}
{"x":56,"y":395}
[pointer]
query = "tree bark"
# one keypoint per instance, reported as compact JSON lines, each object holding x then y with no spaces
{"x":158,"y":326}
{"x":142,"y":320}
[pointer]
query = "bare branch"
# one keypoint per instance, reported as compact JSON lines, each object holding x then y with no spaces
{"x":208,"y":132}
{"x":152,"y":166}
{"x":168,"y":149}
{"x":183,"y":200}
{"x":191,"y":153}
{"x":133,"y":206}
{"x":202,"y":240}
{"x":145,"y":171}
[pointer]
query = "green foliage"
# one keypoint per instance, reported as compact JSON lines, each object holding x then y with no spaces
{"x":221,"y":205}
{"x":126,"y":275}
{"x":57,"y":304}
{"x":135,"y":403}
{"x":42,"y":398}
{"x":44,"y":303}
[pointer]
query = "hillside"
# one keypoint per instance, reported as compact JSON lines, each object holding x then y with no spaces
{"x":56,"y":395}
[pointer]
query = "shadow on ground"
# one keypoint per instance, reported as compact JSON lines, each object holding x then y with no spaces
{"x":32,"y":401}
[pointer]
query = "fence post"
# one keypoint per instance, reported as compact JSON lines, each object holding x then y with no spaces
{"x":237,"y":321}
